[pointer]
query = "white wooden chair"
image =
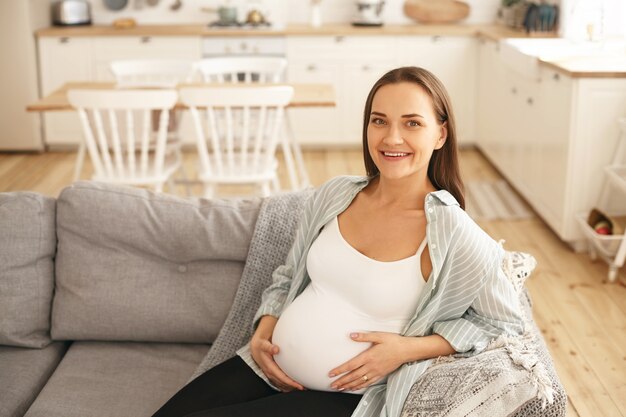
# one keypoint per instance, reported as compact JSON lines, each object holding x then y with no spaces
{"x":148,"y":73}
{"x":242,"y":69}
{"x":249,"y":69}
{"x":119,"y":136}
{"x":251,"y":158}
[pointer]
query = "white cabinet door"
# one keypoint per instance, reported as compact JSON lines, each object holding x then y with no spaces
{"x":552,"y":147}
{"x":109,"y":49}
{"x":359,"y":80}
{"x":318,"y":126}
{"x":453,"y":60}
{"x":351,"y":64}
{"x":61,"y":60}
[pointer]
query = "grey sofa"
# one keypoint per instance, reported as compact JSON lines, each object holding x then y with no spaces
{"x":110,"y":297}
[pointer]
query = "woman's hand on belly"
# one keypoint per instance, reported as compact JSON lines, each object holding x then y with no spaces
{"x":263,"y":352}
{"x":384,"y":356}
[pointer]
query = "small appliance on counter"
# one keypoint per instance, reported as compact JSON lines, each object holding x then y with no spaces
{"x":71,"y":13}
{"x":369,"y":13}
{"x":227,"y":18}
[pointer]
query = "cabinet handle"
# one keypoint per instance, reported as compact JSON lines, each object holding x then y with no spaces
{"x":243,"y":46}
{"x":64,"y":40}
{"x":513,"y":90}
{"x":530,"y":101}
{"x":339,"y":39}
{"x":556,"y":76}
{"x":435,"y":38}
{"x":366,"y":68}
{"x":311,"y":67}
{"x":145,"y":39}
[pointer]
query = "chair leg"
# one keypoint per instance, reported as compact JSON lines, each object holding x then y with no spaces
{"x":80,"y":160}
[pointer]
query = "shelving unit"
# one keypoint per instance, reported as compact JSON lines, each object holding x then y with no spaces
{"x":611,"y":248}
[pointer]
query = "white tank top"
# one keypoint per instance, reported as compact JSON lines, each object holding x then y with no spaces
{"x":349,"y":292}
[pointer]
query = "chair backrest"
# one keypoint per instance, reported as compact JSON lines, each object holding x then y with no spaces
{"x":242,"y":69}
{"x":155,"y":73}
{"x":237,"y":128}
{"x":118,"y":131}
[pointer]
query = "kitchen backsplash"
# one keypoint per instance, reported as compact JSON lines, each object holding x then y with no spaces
{"x":280,"y":12}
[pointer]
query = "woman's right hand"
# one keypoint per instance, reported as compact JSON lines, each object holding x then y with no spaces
{"x":263,"y":352}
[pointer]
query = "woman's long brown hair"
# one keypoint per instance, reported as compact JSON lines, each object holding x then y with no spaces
{"x":443,"y":168}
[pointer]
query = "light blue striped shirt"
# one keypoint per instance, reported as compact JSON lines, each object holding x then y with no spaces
{"x":467,"y":299}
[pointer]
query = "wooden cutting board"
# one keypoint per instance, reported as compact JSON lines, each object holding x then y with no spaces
{"x":436,"y":11}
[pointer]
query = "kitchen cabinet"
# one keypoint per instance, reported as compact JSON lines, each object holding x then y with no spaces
{"x":352,"y":64}
{"x":88,"y":58}
{"x":109,"y":49}
{"x":453,"y":60}
{"x":550,"y":136}
{"x":316,"y":125}
{"x":63,"y":59}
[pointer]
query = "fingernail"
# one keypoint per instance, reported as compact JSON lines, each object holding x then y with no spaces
{"x":331,"y":374}
{"x":341,"y":389}
{"x":354,"y":335}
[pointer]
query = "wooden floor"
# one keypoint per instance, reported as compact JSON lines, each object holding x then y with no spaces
{"x":582,"y":317}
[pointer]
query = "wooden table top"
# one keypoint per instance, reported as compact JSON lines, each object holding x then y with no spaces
{"x":305,"y":95}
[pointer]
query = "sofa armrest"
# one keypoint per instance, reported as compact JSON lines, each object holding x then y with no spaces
{"x":489,"y":381}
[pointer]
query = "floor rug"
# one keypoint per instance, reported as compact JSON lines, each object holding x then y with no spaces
{"x":494,"y":200}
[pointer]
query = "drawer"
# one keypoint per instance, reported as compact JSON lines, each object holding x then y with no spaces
{"x":147,"y":47}
{"x":232,"y":45}
{"x":338,"y":47}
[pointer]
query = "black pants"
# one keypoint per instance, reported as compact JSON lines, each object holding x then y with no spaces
{"x":232,"y":389}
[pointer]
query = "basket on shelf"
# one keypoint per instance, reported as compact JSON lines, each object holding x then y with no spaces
{"x":606,"y":244}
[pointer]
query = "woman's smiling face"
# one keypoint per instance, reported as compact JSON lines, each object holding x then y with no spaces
{"x":403,"y":130}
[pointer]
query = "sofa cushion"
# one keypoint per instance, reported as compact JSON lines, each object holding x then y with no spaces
{"x":133,"y":265}
{"x":27,"y":245}
{"x":113,"y":379}
{"x":24,"y":373}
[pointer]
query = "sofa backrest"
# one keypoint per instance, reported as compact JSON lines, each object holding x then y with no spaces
{"x":133,"y":265}
{"x":27,"y":245}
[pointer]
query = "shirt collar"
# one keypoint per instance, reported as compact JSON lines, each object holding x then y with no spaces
{"x":445,"y":197}
{"x":442,"y":196}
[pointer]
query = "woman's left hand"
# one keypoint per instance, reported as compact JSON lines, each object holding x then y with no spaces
{"x":383,"y":357}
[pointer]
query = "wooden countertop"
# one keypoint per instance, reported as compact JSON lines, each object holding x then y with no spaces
{"x":495,"y":32}
{"x":578,"y":67}
{"x":609,"y":66}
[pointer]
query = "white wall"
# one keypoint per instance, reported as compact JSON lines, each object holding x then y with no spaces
{"x":279,"y":11}
{"x":18,"y":76}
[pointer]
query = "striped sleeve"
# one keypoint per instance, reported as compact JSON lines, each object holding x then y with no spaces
{"x":494,"y":311}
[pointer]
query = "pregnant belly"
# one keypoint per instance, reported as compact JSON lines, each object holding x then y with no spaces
{"x":313,"y":335}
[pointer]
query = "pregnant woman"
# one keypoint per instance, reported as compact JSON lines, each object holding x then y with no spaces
{"x":386,"y":273}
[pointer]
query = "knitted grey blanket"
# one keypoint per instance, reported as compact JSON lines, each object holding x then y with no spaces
{"x":273,"y":236}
